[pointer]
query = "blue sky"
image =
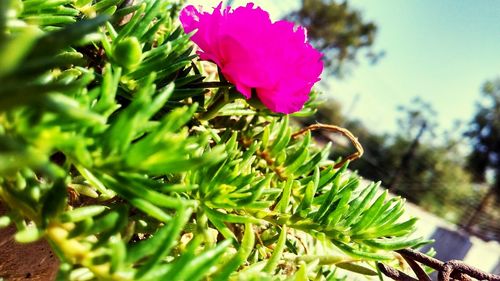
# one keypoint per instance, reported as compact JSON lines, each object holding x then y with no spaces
{"x":441,"y":51}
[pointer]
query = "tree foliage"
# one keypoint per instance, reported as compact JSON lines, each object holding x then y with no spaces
{"x":485,"y":134}
{"x":112,"y":150}
{"x":434,"y":174}
{"x":336,"y":29}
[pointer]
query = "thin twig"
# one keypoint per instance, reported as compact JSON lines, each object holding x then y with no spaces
{"x":346,"y":133}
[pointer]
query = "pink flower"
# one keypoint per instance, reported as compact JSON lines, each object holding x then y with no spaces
{"x":253,"y":52}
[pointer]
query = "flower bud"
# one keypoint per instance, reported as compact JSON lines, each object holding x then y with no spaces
{"x":128,"y":52}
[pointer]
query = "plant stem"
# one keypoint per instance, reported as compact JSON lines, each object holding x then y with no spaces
{"x":224,"y":96}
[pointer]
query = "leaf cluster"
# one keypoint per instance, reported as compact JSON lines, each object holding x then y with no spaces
{"x":105,"y":152}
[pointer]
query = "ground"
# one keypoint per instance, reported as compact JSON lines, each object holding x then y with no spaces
{"x":33,"y":261}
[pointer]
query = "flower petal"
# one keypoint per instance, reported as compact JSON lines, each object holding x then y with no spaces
{"x":255,"y":53}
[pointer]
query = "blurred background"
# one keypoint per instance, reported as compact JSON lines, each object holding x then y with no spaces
{"x":418,"y":82}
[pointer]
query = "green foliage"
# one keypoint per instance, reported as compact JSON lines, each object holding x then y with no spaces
{"x":484,"y":158}
{"x":434,"y":174}
{"x":484,"y":132}
{"x":107,"y":151}
{"x":338,"y":30}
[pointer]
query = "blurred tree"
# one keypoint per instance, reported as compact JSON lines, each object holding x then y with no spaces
{"x":336,"y":29}
{"x":417,"y":114}
{"x":485,"y":135}
{"x":418,"y":118}
{"x":438,"y":182}
{"x":329,"y":111}
{"x":427,"y":171}
{"x":423,"y":166}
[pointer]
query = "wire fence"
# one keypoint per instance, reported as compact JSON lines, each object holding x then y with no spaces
{"x":447,"y":271}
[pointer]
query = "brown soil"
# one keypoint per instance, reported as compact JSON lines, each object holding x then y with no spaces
{"x":33,"y":261}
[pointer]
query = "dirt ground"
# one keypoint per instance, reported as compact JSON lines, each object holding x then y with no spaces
{"x":34,"y":261}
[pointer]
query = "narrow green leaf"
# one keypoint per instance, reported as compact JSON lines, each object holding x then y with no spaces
{"x":314,"y":161}
{"x":104,"y":4}
{"x":149,"y":209}
{"x":391,"y":244}
{"x":296,"y":161}
{"x":282,"y":205}
{"x":151,"y":12}
{"x":362,"y":254}
{"x":128,"y":185}
{"x":118,"y":254}
{"x":273,"y":261}
{"x":49,"y":20}
{"x":82,"y":227}
{"x":28,"y":235}
{"x":399,"y":229}
{"x":371,"y":214}
{"x":55,"y":41}
{"x":241,"y":256}
{"x":341,"y":209}
{"x":199,"y":266}
{"x":355,"y":213}
{"x":306,"y":201}
{"x":282,"y":138}
{"x":354,"y":267}
{"x":15,"y":48}
{"x":54,"y":202}
{"x":230,"y":217}
{"x":136,"y":18}
{"x":160,"y":244}
{"x":327,"y":204}
{"x":5,"y":221}
{"x":221,"y":227}
{"x":82,"y":213}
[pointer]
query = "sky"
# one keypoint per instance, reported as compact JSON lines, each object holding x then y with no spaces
{"x":441,"y":51}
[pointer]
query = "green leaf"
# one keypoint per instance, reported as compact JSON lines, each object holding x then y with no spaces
{"x":54,"y":202}
{"x":354,"y":267}
{"x":5,"y":221}
{"x":118,"y":254}
{"x":138,"y":188}
{"x":362,"y":254}
{"x":282,"y":138}
{"x":305,"y":203}
{"x":314,"y":161}
{"x":159,"y":245}
{"x":104,"y":4}
{"x":202,"y":263}
{"x":55,"y":41}
{"x":371,"y":214}
{"x":283,"y":203}
{"x":394,"y":243}
{"x":82,"y":213}
{"x":230,"y":217}
{"x":273,"y":261}
{"x":14,"y":49}
{"x":28,"y":235}
{"x":151,"y":12}
{"x":299,"y":157}
{"x":241,"y":256}
{"x":361,"y":203}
